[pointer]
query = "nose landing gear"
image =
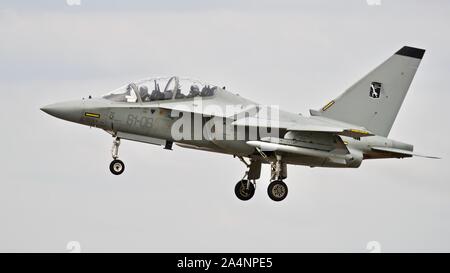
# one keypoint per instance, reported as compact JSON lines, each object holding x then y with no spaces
{"x":116,"y":167}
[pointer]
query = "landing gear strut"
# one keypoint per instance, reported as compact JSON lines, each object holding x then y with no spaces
{"x":116,"y":167}
{"x":277,"y":189}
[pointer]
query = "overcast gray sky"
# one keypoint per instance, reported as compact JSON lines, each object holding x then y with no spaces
{"x":55,"y":185}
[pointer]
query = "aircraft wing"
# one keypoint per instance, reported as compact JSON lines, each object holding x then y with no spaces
{"x":310,"y":126}
{"x":193,"y":107}
{"x":398,"y":153}
{"x":196,"y":108}
{"x":316,"y":124}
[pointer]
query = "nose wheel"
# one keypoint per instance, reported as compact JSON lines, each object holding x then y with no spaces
{"x":116,"y":167}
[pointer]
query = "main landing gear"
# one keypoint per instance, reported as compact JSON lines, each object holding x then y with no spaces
{"x":116,"y":167}
{"x":277,"y":190}
{"x":245,"y":188}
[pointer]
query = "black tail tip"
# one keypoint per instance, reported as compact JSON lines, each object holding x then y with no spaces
{"x":412,"y":52}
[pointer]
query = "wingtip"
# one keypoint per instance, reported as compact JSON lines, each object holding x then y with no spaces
{"x":427,"y":156}
{"x":412,"y":52}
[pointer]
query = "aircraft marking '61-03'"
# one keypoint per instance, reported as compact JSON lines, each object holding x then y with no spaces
{"x":191,"y":114}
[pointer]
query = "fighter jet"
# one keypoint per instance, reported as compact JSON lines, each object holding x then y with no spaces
{"x":195,"y":115}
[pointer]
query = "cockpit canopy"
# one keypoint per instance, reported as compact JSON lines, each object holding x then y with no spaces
{"x":158,"y":89}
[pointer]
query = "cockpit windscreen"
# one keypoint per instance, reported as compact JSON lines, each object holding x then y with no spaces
{"x":158,"y":89}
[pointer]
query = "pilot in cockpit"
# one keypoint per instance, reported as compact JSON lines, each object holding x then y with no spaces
{"x":129,"y":89}
{"x":143,"y":93}
{"x":179,"y":95}
{"x":194,"y":91}
{"x":168,"y":94}
{"x":156,"y":93}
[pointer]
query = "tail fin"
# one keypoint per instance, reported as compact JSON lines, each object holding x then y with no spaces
{"x":374,"y":101}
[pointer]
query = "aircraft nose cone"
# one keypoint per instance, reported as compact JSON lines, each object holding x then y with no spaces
{"x":48,"y":109}
{"x":71,"y":110}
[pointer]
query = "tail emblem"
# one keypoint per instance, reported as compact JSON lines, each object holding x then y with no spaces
{"x":375,"y":90}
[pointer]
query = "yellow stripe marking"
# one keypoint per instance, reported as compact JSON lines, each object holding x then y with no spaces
{"x":359,"y":131}
{"x":92,"y":115}
{"x":328,"y":105}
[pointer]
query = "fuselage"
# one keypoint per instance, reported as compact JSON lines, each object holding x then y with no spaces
{"x":153,"y":122}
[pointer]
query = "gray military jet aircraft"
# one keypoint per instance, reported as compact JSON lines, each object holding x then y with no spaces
{"x":347,"y":130}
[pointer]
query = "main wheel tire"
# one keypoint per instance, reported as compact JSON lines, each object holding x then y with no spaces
{"x":277,"y":190}
{"x":117,"y":167}
{"x":242,"y":192}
